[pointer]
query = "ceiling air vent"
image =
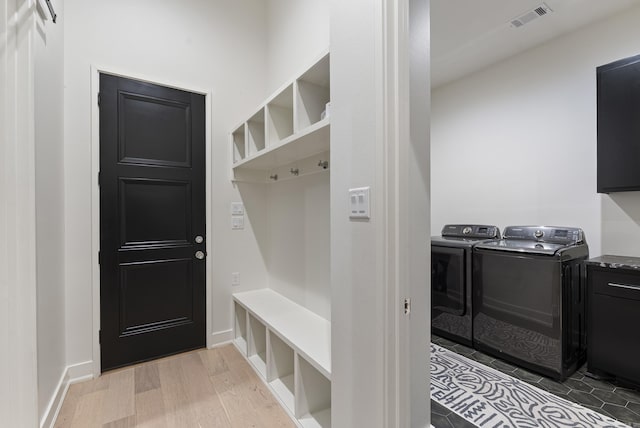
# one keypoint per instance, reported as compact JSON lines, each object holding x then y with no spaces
{"x":529,"y":16}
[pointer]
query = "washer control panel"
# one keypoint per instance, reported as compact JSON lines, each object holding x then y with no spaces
{"x":559,"y":235}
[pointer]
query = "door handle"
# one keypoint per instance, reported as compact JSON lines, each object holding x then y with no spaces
{"x":199,"y":255}
{"x":630,"y":287}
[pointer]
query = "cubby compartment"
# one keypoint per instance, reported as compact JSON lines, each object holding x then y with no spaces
{"x":312,"y":395}
{"x":280,"y":370}
{"x":280,"y":116}
{"x":239,"y":144}
{"x":240,"y":328}
{"x":256,"y":133}
{"x":313,"y":94}
{"x":257,"y":348}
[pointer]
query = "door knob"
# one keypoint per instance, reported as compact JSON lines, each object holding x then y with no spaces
{"x":199,"y":255}
{"x":199,"y":239}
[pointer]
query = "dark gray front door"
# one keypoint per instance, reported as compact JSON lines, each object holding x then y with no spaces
{"x":152,"y":215}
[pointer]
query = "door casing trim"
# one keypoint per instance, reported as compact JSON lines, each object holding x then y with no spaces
{"x":95,"y":194}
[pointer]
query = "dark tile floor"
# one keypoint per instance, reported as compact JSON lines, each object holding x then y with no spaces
{"x":619,"y":403}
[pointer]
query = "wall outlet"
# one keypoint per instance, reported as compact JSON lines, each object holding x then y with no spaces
{"x":235,"y":278}
{"x":237,"y":222}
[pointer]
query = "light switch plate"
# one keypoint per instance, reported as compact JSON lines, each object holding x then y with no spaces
{"x":359,"y":206}
{"x":237,"y":208}
{"x":237,"y":222}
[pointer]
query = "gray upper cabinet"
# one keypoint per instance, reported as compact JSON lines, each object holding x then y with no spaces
{"x":619,"y":126}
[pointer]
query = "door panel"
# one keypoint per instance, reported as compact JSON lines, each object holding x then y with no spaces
{"x":152,"y":205}
{"x":154,"y":131}
{"x":141,"y":200}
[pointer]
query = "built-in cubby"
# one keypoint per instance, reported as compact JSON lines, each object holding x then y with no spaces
{"x":284,"y":331}
{"x":280,"y":372}
{"x":298,"y":352}
{"x":257,"y":346}
{"x":313,"y":95}
{"x":313,"y":396}
{"x":256,"y":133}
{"x":240,"y":330}
{"x":280,"y":116}
{"x":291,"y":126}
{"x":239,"y":144}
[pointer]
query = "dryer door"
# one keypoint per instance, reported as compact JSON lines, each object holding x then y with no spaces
{"x":448,"y":292}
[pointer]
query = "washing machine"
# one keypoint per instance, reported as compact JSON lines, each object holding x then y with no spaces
{"x":529,"y":298}
{"x":451,"y":279}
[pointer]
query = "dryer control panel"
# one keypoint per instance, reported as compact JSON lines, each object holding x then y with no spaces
{"x":470,"y":231}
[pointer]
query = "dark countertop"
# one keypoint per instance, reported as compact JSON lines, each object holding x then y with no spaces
{"x":615,"y":262}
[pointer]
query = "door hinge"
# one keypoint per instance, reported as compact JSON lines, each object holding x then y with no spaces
{"x":99,"y":99}
{"x":99,"y":258}
{"x":407,"y":306}
{"x":100,"y":337}
{"x":99,"y":178}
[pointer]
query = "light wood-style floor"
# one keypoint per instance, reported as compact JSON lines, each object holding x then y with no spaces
{"x":205,"y":388}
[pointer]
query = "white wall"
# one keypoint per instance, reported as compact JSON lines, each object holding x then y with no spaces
{"x":298,"y":31}
{"x":210,"y":45}
{"x":298,"y":253}
{"x":18,"y":302}
{"x":516,"y":142}
{"x":357,"y":252}
{"x":49,"y":146}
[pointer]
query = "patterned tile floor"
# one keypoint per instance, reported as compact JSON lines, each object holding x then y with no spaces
{"x":603,"y":397}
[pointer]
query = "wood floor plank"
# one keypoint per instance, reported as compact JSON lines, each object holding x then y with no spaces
{"x":150,"y":410}
{"x":128,"y":422}
{"x":202,"y":395}
{"x":119,"y":400}
{"x":146,"y":377}
{"x":68,"y":409}
{"x":174,"y":394}
{"x":89,"y":410}
{"x":214,"y":361}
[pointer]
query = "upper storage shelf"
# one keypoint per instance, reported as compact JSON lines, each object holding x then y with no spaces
{"x":288,"y":132}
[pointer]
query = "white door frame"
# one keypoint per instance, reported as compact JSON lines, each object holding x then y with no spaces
{"x":18,"y":305}
{"x":95,"y":194}
{"x":406,"y":185}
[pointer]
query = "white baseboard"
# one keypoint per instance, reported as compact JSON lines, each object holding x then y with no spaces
{"x":220,"y":337}
{"x":72,"y":374}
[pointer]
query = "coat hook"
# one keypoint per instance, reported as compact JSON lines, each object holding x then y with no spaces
{"x":274,"y":177}
{"x":323,"y":164}
{"x":295,"y":171}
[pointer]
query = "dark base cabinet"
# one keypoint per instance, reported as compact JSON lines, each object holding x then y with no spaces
{"x":613,"y":318}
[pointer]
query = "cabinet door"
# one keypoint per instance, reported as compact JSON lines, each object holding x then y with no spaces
{"x":618,"y":126}
{"x":614,"y":317}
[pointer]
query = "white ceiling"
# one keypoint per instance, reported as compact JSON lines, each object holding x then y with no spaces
{"x":468,"y":35}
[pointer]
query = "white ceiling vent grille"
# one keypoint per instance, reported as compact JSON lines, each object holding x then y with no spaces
{"x":530,"y":15}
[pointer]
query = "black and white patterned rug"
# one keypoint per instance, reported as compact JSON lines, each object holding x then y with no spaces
{"x":491,"y":399}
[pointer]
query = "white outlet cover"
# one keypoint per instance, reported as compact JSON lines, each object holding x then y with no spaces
{"x":237,"y":208}
{"x":359,"y":203}
{"x":237,"y":222}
